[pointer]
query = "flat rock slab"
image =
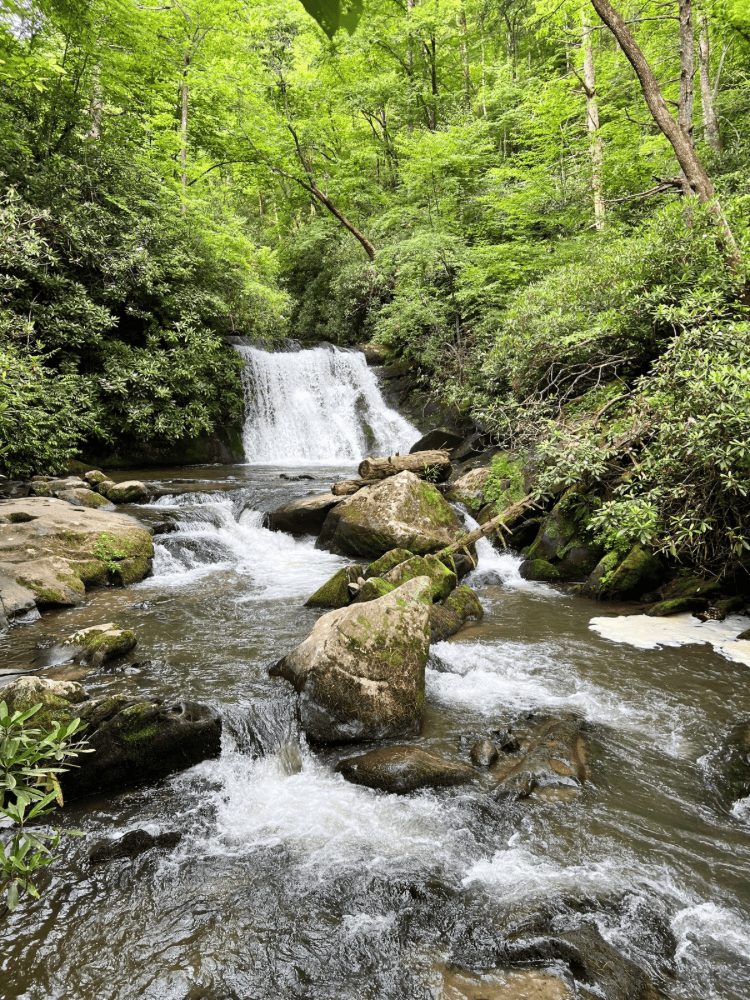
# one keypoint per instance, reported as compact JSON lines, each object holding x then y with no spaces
{"x":403,"y":769}
{"x":53,"y":551}
{"x":301,"y":517}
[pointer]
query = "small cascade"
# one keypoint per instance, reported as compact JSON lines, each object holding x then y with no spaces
{"x":320,"y":405}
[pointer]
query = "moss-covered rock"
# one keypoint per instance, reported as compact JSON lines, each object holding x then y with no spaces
{"x":360,"y":673}
{"x":94,"y":477}
{"x":691,"y":586}
{"x":403,"y":769}
{"x":449,"y":617}
{"x":131,"y":491}
{"x":55,"y":550}
{"x":387,"y":562}
{"x":99,"y":643}
{"x":58,"y":699}
{"x":442,"y":578}
{"x":539,"y":569}
{"x":639,"y":572}
{"x":83,"y":498}
{"x":678,"y":606}
{"x":469,"y":489}
{"x":335,"y":592}
{"x":372,"y":589}
{"x":730,"y":605}
{"x":399,"y":512}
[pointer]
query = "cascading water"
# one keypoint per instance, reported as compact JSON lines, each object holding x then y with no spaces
{"x":318,"y":405}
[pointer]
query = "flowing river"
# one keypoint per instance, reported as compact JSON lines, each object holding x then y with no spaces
{"x":289,"y":882}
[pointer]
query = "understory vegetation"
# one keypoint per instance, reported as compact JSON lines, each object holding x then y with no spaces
{"x":476,"y":185}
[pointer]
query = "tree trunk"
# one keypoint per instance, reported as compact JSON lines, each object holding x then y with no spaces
{"x":464,"y":36}
{"x":434,"y":465}
{"x":710,"y":121}
{"x":184,"y":127}
{"x":592,"y":123}
{"x":683,"y":148}
{"x":488,"y":527}
{"x":687,"y":68}
{"x":325,"y":200}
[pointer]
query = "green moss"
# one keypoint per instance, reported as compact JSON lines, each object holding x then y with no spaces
{"x":638,"y":572}
{"x":678,"y":606}
{"x":374,"y":588}
{"x":730,"y":604}
{"x":465,"y":603}
{"x":140,"y":734}
{"x":442,"y":579}
{"x":387,"y":562}
{"x":433,"y":507}
{"x":335,"y":592}
{"x":691,"y":586}
{"x":541,"y":569}
{"x":505,"y":485}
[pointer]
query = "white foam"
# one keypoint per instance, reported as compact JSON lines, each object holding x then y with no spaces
{"x":320,"y":405}
{"x":645,"y":632}
{"x":741,"y":810}
{"x":724,"y":928}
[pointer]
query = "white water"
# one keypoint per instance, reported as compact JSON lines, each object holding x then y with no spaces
{"x":320,"y":405}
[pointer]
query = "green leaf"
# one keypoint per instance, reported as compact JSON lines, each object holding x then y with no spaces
{"x":12,"y":900}
{"x":334,"y":14}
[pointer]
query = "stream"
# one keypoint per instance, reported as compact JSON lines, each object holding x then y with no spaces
{"x":289,"y":882}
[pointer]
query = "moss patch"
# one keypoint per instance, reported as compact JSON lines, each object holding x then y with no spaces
{"x":335,"y":592}
{"x":387,"y":562}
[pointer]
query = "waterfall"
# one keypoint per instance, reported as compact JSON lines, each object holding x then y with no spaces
{"x":319,"y":405}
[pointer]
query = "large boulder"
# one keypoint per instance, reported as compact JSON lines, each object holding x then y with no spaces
{"x":132,"y":491}
{"x":436,"y":439}
{"x":360,"y":673}
{"x":57,"y":698}
{"x":82,"y":498}
{"x":386,"y":562}
{"x":563,"y":542}
{"x":403,"y":769}
{"x":50,"y":552}
{"x":399,"y":512}
{"x":301,"y":517}
{"x":615,"y":578}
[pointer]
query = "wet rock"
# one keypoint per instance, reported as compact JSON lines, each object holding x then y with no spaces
{"x":687,"y":587}
{"x":52,"y":487}
{"x":592,"y":961}
{"x":387,"y":562}
{"x":442,"y":578}
{"x":61,"y":550}
{"x":745,"y":634}
{"x":99,"y":643}
{"x":436,"y":440}
{"x":58,"y":699}
{"x":141,"y":742}
{"x":131,"y":491}
{"x":335,"y":592}
{"x":524,"y":533}
{"x":372,"y":589}
{"x":624,"y":579}
{"x":469,"y":489}
{"x":463,"y":564}
{"x":302,"y":517}
{"x":294,"y":479}
{"x":732,"y":605}
{"x":131,"y":845}
{"x":104,"y":485}
{"x":399,"y":512}
{"x":449,"y":617}
{"x":551,"y":760}
{"x":562,"y":541}
{"x":375,"y":354}
{"x":403,"y":769}
{"x":82,"y":498}
{"x":678,"y":606}
{"x":360,"y":673}
{"x":539,"y":569}
{"x":506,"y":741}
{"x":93,"y":477}
{"x":483,"y":753}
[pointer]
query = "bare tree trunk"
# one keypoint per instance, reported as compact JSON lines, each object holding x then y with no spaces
{"x":484,"y":79}
{"x":710,"y":121}
{"x":95,"y":108}
{"x":686,"y":155}
{"x":465,"y":56}
{"x":184,"y":128}
{"x":592,"y":123}
{"x":687,"y":68}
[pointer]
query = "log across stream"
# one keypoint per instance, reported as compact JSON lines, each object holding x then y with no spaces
{"x":290,"y":882}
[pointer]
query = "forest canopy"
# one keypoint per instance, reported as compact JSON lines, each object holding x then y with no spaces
{"x":478,"y":185}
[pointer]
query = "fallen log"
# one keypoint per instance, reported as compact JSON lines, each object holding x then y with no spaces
{"x":346,"y":487}
{"x":432,"y":465}
{"x":486,"y":529}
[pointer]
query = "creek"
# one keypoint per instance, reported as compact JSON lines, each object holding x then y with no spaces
{"x":290,"y":883}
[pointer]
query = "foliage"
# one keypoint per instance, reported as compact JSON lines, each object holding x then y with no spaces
{"x":31,"y":761}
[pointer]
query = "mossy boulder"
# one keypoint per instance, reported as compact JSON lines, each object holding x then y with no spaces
{"x":387,"y":562}
{"x":449,"y":617}
{"x":372,"y":589}
{"x":540,"y":569}
{"x":132,"y":491}
{"x":442,"y":578}
{"x":360,"y":673}
{"x":99,"y":643}
{"x":58,"y":699}
{"x":83,"y":498}
{"x":399,"y":512}
{"x":54,"y":551}
{"x":94,"y":477}
{"x":616,"y":579}
{"x":685,"y":587}
{"x":301,"y":517}
{"x":335,"y":592}
{"x":678,"y":606}
{"x":403,"y":769}
{"x":563,"y":541}
{"x":469,"y":489}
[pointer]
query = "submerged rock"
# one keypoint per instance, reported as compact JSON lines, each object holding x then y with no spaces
{"x":447,"y":618}
{"x":132,"y":844}
{"x":550,"y":760}
{"x":483,"y":753}
{"x":301,"y":517}
{"x":335,"y":592}
{"x":403,"y":769}
{"x":51,"y":552}
{"x":360,"y":672}
{"x":99,"y":643}
{"x":399,"y":512}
